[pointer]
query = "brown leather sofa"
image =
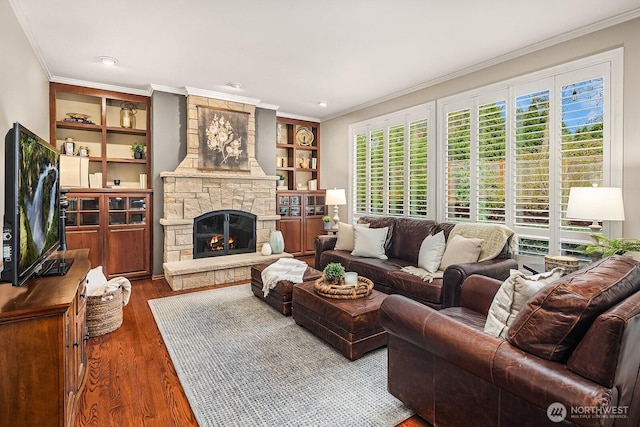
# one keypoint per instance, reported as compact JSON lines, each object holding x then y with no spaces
{"x":576,"y":343}
{"x":402,"y":249}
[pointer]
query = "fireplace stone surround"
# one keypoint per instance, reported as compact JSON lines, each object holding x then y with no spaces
{"x":190,"y":192}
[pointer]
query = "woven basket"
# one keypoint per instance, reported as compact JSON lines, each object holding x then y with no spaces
{"x":104,"y":312}
{"x":570,"y":264}
{"x":342,"y":291}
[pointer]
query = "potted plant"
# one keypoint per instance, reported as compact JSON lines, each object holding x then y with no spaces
{"x":138,"y":150}
{"x":605,"y":247}
{"x":281,"y":179}
{"x":327,"y":222}
{"x":333,"y":273}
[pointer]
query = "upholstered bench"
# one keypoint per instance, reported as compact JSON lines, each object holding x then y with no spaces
{"x":350,"y":325}
{"x":280,"y":296}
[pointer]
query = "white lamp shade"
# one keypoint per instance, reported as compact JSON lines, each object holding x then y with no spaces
{"x":595,"y":203}
{"x":336,"y":197}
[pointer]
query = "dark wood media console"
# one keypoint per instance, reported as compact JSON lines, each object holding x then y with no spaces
{"x":43,"y":362}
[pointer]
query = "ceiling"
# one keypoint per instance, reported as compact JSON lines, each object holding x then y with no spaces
{"x":292,"y":54}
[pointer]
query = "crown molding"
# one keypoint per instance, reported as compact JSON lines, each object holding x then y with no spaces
{"x":268,"y":106}
{"x":221,"y":95}
{"x":168,"y":89}
{"x":104,"y":86}
{"x":297,"y":117}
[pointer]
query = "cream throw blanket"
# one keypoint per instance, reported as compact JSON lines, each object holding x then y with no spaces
{"x":106,"y":289}
{"x":284,"y":269}
{"x":494,"y":237}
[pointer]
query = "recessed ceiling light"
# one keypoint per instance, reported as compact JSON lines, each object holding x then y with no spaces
{"x":107,"y":60}
{"x":323,"y":104}
{"x":235,"y":85}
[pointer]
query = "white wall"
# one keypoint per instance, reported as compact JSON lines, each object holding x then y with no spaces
{"x":335,"y":133}
{"x":24,"y":86}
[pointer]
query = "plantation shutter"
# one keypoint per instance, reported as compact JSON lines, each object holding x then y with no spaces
{"x":418,"y":165}
{"x":376,"y":172}
{"x":532,"y":159}
{"x":458,"y":149}
{"x":396,"y":170}
{"x":360,"y":172}
{"x":582,"y":147}
{"x":490,"y":190}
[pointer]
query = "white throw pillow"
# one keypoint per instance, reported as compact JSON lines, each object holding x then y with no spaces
{"x":431,"y":252}
{"x":461,"y":250}
{"x":95,"y":279}
{"x":346,"y":238}
{"x":512,"y":296}
{"x":369,"y":242}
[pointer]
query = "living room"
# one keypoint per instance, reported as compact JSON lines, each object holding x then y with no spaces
{"x":24,"y":85}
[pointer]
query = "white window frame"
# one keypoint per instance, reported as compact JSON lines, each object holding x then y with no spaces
{"x":612,"y":61}
{"x":406,"y":116}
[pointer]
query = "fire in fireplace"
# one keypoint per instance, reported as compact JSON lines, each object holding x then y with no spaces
{"x":224,"y":232}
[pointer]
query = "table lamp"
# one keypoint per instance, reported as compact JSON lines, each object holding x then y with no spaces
{"x":595,"y":204}
{"x":336,"y":197}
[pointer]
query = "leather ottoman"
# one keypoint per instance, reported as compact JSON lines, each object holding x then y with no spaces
{"x":280,"y":296}
{"x":350,"y":325}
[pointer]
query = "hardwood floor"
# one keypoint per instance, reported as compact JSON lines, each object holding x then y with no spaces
{"x":131,"y":380}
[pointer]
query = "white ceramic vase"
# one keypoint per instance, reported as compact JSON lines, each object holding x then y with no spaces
{"x":266,"y":249}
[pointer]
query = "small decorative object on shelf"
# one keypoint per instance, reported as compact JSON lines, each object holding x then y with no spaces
{"x":78,"y":118}
{"x":276,"y":240}
{"x":304,"y":136}
{"x":128,"y":115}
{"x":69,"y":146}
{"x":83,"y":151}
{"x":138,"y":150}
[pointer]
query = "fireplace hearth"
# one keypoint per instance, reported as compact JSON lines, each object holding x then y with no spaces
{"x":224,"y":232}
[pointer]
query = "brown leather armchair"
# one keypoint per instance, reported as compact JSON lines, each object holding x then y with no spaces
{"x":447,"y":369}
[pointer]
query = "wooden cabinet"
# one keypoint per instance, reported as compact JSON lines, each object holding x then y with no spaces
{"x":115,"y":227}
{"x":107,"y":124}
{"x":301,"y":215}
{"x":298,"y":153}
{"x":109,"y":213}
{"x":43,"y":360}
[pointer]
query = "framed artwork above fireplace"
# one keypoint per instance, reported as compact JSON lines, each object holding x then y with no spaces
{"x":223,"y":139}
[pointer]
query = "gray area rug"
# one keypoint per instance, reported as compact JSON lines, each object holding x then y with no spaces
{"x":241,"y":363}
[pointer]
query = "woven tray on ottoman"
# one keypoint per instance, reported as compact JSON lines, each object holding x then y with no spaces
{"x":104,"y":312}
{"x":341,"y":291}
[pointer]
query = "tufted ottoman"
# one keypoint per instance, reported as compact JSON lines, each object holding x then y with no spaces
{"x":280,"y":296}
{"x":350,"y":325}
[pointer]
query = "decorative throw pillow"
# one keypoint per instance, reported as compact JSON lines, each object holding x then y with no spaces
{"x":556,"y":319}
{"x":461,"y":250}
{"x":431,"y":252}
{"x":346,"y":238}
{"x":369,"y":242}
{"x":512,"y":296}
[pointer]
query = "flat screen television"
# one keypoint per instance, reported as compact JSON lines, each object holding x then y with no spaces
{"x":31,"y":230}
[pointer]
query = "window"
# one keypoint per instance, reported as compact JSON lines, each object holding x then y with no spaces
{"x":392,"y":164}
{"x":513,"y":151}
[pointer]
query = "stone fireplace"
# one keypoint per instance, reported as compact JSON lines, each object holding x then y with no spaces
{"x":190,"y":192}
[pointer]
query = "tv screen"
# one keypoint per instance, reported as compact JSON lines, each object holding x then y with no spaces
{"x":32,"y":208}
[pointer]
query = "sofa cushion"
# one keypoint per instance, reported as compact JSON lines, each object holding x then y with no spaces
{"x":369,"y":242}
{"x":418,"y":289}
{"x":380,"y":222}
{"x":461,"y":250}
{"x":375,"y":269}
{"x":512,"y":296}
{"x":343,"y":257}
{"x":431,"y":252}
{"x":408,"y":235}
{"x":554,"y":321}
{"x":346,"y":237}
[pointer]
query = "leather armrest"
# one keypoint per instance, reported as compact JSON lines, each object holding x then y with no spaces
{"x":323,"y":243}
{"x":455,"y":274}
{"x":478,"y":291}
{"x":491,"y":358}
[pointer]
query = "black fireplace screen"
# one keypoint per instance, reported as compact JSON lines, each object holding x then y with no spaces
{"x":224,"y":232}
